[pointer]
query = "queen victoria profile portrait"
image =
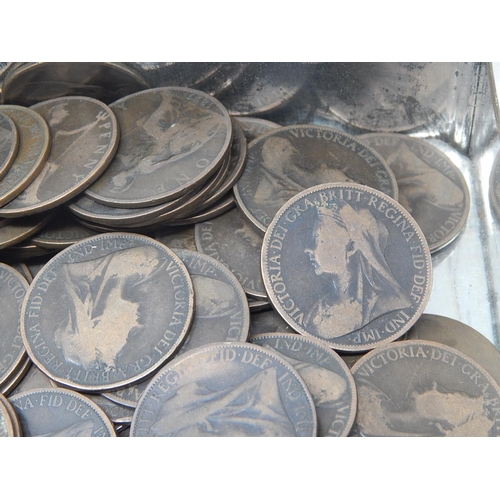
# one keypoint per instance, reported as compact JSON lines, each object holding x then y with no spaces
{"x":348,"y":247}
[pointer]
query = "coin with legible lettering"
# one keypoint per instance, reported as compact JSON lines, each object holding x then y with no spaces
{"x":226,"y":389}
{"x":347,"y":264}
{"x":107,"y":312}
{"x":325,"y":374}
{"x":59,"y":412}
{"x":287,"y":160}
{"x":84,"y":134}
{"x":9,"y":143}
{"x":431,"y":187}
{"x":424,"y":388}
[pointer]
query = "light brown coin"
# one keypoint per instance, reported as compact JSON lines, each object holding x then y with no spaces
{"x":172,"y":140}
{"x":9,"y":143}
{"x":107,"y":312}
{"x":84,"y":135}
{"x":423,"y":388}
{"x":431,"y":187}
{"x":34,"y":148}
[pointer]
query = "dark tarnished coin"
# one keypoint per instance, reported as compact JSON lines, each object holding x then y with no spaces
{"x":118,"y":414}
{"x":172,"y":140}
{"x":34,"y":148}
{"x":13,"y":288}
{"x":423,"y":388}
{"x":6,"y":425}
{"x":60,"y":412}
{"x":34,"y":378}
{"x":182,"y":237}
{"x":226,"y":389}
{"x":268,"y":322}
{"x":31,"y":83}
{"x":255,"y":127}
{"x":84,"y":134}
{"x":287,"y":160}
{"x":431,"y":187}
{"x":107,"y":312}
{"x":9,"y":143}
{"x":221,"y":307}
{"x":233,"y":241}
{"x":17,"y":230}
{"x":347,"y":264}
{"x":326,"y":376}
{"x":459,"y":336}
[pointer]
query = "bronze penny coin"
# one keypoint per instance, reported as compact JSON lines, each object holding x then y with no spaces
{"x":177,"y":237}
{"x":58,"y":412}
{"x":172,"y":140}
{"x":9,"y":143}
{"x":34,"y":148}
{"x":84,"y":135}
{"x":255,"y":127}
{"x":17,"y":230}
{"x":287,"y":160}
{"x":431,"y":187}
{"x":107,"y":312}
{"x":6,"y":424}
{"x":325,"y":374}
{"x":424,"y":388}
{"x":268,"y":321}
{"x":117,"y":413}
{"x":31,"y":83}
{"x":33,"y":378}
{"x":226,"y":389}
{"x":347,"y":264}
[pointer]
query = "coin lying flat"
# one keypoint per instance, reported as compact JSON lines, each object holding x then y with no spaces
{"x":326,"y":376}
{"x":34,"y":148}
{"x":60,"y":412}
{"x":431,"y":187}
{"x":347,"y":264}
{"x":84,"y":135}
{"x":289,"y":159}
{"x":255,"y":127}
{"x":226,"y":389}
{"x":107,"y":312}
{"x":9,"y":143}
{"x":423,"y":388}
{"x":172,"y":139}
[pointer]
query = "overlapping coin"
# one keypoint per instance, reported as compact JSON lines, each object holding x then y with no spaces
{"x":107,"y":312}
{"x":9,"y":143}
{"x":347,"y":264}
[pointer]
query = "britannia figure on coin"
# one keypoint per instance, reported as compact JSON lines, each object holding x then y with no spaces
{"x":349,"y":247}
{"x":100,"y":312}
{"x":174,"y":130}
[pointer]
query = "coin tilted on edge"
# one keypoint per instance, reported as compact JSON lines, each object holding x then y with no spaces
{"x":431,"y":187}
{"x":226,"y":389}
{"x":325,"y":374}
{"x":347,"y":264}
{"x":84,"y":134}
{"x":424,"y":388}
{"x":107,"y":312}
{"x":9,"y":143}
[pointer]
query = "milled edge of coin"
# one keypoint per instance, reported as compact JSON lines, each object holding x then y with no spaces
{"x":248,"y":212}
{"x":340,"y":417}
{"x":14,"y":147}
{"x":31,"y":165}
{"x":386,"y":201}
{"x":218,"y":346}
{"x":39,"y":277}
{"x":99,"y":413}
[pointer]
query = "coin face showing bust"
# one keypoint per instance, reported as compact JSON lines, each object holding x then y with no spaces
{"x":107,"y":312}
{"x":423,"y":388}
{"x":9,"y":143}
{"x":172,"y":139}
{"x":84,"y":134}
{"x":431,"y":187}
{"x":226,"y":389}
{"x":326,"y":376}
{"x":60,"y":412}
{"x":287,"y":160}
{"x":347,"y":264}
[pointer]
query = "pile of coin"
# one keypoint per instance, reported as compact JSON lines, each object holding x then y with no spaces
{"x":175,"y":267}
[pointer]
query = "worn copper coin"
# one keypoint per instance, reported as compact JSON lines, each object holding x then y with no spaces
{"x":34,"y":148}
{"x":16,"y":230}
{"x":347,"y":264}
{"x":287,"y":160}
{"x":226,"y":389}
{"x":9,"y":143}
{"x":423,"y":388}
{"x":178,"y":237}
{"x":268,"y":321}
{"x":107,"y":312}
{"x":84,"y":135}
{"x":325,"y":374}
{"x":431,"y":187}
{"x":172,"y":140}
{"x":6,"y":425}
{"x":34,"y":378}
{"x":60,"y":412}
{"x":232,"y":240}
{"x":255,"y":127}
